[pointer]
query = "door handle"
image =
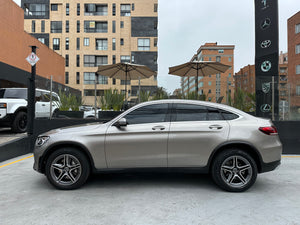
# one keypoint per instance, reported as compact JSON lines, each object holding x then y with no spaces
{"x":158,"y":128}
{"x":215,"y":126}
{"x":43,"y":105}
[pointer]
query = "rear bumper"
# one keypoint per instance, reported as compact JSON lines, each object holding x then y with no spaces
{"x":266,"y":167}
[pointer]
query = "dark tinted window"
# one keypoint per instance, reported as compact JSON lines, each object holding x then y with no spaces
{"x":229,"y":115}
{"x":214,"y":114}
{"x":189,"y":112}
{"x":13,"y":93}
{"x":148,"y":114}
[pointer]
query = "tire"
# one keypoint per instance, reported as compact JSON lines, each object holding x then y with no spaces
{"x":19,"y":124}
{"x":67,"y":168}
{"x":234,"y":170}
{"x":55,"y":114}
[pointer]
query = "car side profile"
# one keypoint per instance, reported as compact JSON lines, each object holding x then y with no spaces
{"x":231,"y":145}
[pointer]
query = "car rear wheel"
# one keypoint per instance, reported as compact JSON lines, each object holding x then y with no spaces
{"x":234,"y":170}
{"x":19,"y":124}
{"x":67,"y":168}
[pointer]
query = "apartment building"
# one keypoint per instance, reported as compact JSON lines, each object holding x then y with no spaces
{"x":214,"y":86}
{"x":91,"y":33}
{"x":294,"y":60}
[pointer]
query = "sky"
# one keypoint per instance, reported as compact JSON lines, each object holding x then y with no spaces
{"x":185,"y":25}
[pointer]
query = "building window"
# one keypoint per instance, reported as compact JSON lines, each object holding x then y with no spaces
{"x":95,"y":9}
{"x":143,"y":44}
{"x":94,"y":61}
{"x":132,"y":7}
{"x":221,"y":50}
{"x":77,"y":78}
{"x":67,"y":60}
{"x":114,"y":81}
{"x":37,"y":10}
{"x":229,"y":75}
{"x":122,"y":24}
{"x":42,"y":40}
{"x":67,"y":78}
{"x":298,"y":90}
{"x":113,"y":44}
{"x":56,"y":44}
{"x":114,"y":26}
{"x":114,"y":9}
{"x":67,"y":9}
{"x":43,"y":26}
{"x":89,"y":78}
{"x":218,"y":58}
{"x":54,"y":7}
{"x":132,"y":59}
{"x":121,"y":41}
{"x":78,"y":26}
{"x":155,"y":7}
{"x":155,"y":42}
{"x":123,"y":82}
{"x":297,"y":49}
{"x":78,"y":9}
{"x":86,"y":42}
{"x":125,"y":10}
{"x":298,"y":69}
{"x":67,"y":26}
{"x":77,"y":43}
{"x":125,"y":58}
{"x":33,"y":26}
{"x":56,"y":26}
{"x":209,"y":83}
{"x":113,"y":59}
{"x":297,"y":28}
{"x":282,"y":70}
{"x":101,"y":44}
{"x":209,"y":91}
{"x":78,"y":60}
{"x":67,"y":43}
{"x":95,"y":26}
{"x":229,"y":59}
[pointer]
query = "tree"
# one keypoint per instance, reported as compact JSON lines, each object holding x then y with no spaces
{"x":244,"y":101}
{"x":160,"y":93}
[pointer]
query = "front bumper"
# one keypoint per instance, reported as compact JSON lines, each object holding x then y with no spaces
{"x":266,"y":167}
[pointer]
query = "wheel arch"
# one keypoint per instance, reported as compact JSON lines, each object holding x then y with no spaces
{"x":59,"y":145}
{"x":245,"y":146}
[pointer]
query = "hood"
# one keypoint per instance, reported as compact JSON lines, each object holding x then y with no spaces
{"x":75,"y":129}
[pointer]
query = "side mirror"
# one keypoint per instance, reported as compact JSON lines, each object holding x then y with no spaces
{"x":121,"y":123}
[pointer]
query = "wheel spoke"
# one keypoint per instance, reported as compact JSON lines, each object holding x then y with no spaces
{"x":61,"y":175}
{"x":74,"y":167}
{"x":231,"y":179}
{"x":66,"y":160}
{"x":58,"y":167}
{"x":227,"y":168}
{"x":70,"y":176}
{"x":246,"y":167}
{"x":241,"y":178}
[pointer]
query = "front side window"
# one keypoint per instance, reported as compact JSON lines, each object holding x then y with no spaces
{"x":125,"y":10}
{"x":143,"y":44}
{"x":156,"y":113}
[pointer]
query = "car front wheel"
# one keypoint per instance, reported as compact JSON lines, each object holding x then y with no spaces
{"x":67,"y":168}
{"x":234,"y":170}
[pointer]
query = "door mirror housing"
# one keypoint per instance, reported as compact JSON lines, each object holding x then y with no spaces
{"x":121,"y":123}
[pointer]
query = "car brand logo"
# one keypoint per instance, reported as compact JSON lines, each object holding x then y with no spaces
{"x":265,"y":44}
{"x":266,"y":66}
{"x":266,"y":87}
{"x":265,"y":24}
{"x":264,"y":4}
{"x":265,"y":108}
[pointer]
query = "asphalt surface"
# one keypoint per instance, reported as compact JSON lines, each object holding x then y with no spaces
{"x":7,"y":135}
{"x":26,"y":197}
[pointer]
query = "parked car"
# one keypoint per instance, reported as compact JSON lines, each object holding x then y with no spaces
{"x":13,"y":107}
{"x":231,"y":145}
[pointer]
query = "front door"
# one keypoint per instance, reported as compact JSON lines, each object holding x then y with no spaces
{"x":143,"y":142}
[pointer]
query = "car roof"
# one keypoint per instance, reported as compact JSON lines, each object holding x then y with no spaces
{"x":37,"y":89}
{"x":198,"y":102}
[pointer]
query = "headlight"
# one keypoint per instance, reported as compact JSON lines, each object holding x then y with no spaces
{"x":3,"y":105}
{"x":41,"y":140}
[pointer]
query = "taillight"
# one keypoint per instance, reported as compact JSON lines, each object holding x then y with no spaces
{"x":269,"y":130}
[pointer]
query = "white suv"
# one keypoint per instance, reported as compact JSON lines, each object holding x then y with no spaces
{"x":13,"y":107}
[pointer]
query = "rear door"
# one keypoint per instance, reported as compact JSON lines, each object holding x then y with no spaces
{"x":195,"y":131}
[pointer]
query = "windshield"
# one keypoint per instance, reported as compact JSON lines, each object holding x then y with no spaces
{"x":13,"y":93}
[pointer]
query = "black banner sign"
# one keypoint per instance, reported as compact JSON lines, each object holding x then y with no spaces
{"x":266,"y":57}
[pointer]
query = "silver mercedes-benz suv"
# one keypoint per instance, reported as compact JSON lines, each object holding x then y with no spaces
{"x":231,"y":145}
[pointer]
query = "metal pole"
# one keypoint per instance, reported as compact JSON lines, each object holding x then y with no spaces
{"x":196,"y":83}
{"x":283,"y":106}
{"x":95,"y":104}
{"x":289,"y":87}
{"x":273,"y":98}
{"x":139,"y":90}
{"x":51,"y":97}
{"x":227,"y":92}
{"x":31,"y":97}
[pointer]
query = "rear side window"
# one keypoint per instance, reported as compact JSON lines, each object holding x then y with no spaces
{"x":228,"y":115}
{"x":189,"y":112}
{"x":214,"y":114}
{"x":148,"y":114}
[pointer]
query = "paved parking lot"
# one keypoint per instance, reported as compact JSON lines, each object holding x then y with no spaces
{"x":26,"y":197}
{"x":7,"y":135}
